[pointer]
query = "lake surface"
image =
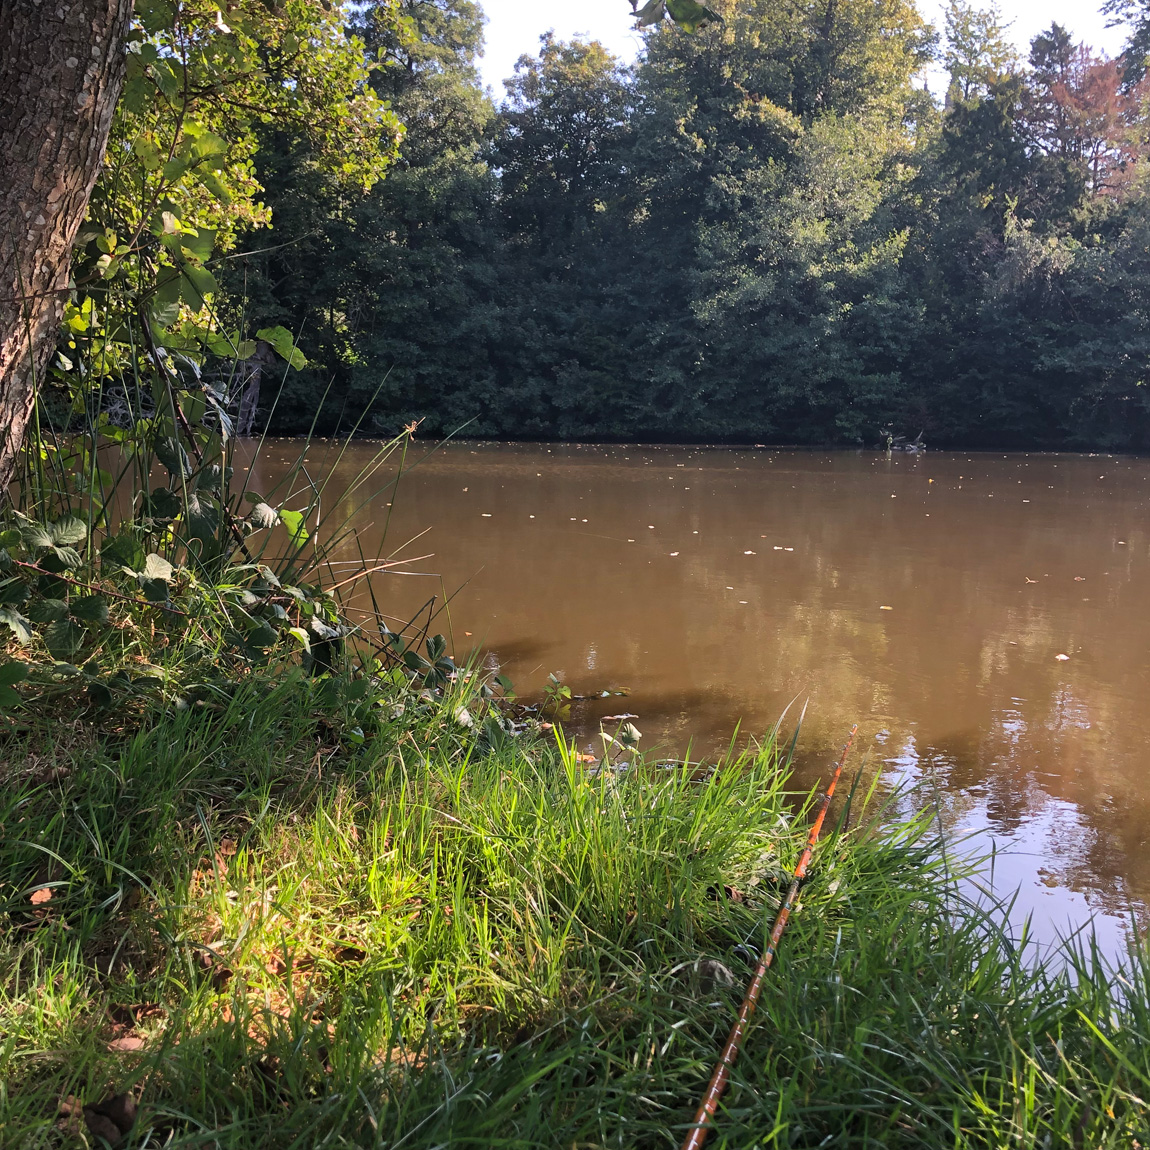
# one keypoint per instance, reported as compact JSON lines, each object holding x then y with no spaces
{"x":985,"y":618}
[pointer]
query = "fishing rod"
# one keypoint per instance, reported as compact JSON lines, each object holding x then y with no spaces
{"x":702,"y":1124}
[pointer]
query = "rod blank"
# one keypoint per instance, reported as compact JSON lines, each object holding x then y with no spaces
{"x":718,"y":1084}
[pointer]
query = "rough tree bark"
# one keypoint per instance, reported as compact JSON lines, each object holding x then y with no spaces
{"x":61,"y":71}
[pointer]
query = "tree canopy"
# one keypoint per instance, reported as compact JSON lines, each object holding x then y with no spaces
{"x":766,"y":229}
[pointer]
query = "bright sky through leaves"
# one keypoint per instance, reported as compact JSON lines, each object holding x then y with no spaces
{"x":514,"y":27}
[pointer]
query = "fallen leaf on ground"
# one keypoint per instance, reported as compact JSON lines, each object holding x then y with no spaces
{"x":127,"y":1044}
{"x":110,"y":1120}
{"x":38,"y":897}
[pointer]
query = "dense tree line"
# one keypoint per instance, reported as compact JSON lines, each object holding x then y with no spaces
{"x":766,"y":229}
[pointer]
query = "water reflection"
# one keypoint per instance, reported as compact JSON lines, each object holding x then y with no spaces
{"x":929,"y":598}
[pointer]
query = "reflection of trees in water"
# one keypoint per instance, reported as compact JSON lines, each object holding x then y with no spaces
{"x":961,"y":674}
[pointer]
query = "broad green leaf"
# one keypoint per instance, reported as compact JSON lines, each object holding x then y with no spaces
{"x":150,"y":158}
{"x":202,"y":515}
{"x":48,"y":611}
{"x":215,"y":185}
{"x":200,"y":244}
{"x":322,"y":630}
{"x":35,"y":536}
{"x":193,"y":404}
{"x":301,"y":637}
{"x":64,"y":639}
{"x":163,"y":504}
{"x":123,"y":550}
{"x":294,"y":522}
{"x":68,"y":558}
{"x":13,"y":592}
{"x":284,"y":345}
{"x":69,"y":530}
{"x":157,"y":567}
{"x":279,"y":337}
{"x":262,"y":517}
{"x":12,"y":673}
{"x":20,"y":627}
{"x":209,"y":144}
{"x":90,"y":609}
{"x":263,"y":634}
{"x":155,"y":590}
{"x":173,"y":456}
{"x":196,"y":284}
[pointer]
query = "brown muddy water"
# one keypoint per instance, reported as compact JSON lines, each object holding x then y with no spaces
{"x":985,"y":618}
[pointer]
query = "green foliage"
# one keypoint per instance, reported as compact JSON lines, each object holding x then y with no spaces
{"x":181,"y":183}
{"x":275,"y":933}
{"x":767,"y":229}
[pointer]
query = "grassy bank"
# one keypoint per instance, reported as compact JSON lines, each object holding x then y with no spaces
{"x":272,"y":937}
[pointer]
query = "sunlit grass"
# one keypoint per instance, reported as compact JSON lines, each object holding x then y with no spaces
{"x":275,"y":940}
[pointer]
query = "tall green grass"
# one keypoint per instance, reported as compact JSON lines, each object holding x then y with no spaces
{"x":277,"y":940}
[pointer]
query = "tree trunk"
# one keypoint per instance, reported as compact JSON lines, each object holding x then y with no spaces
{"x":61,"y":71}
{"x":263,"y":356}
